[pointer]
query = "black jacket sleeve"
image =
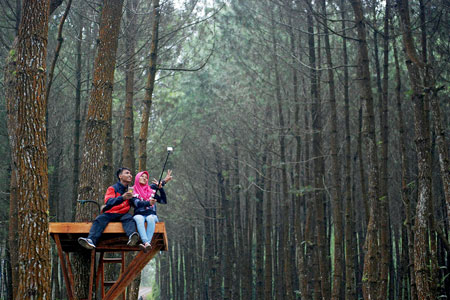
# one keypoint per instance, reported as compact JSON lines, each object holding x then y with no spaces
{"x":161,"y":198}
{"x":139,"y":203}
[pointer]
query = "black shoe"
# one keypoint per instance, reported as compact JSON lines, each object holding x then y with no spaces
{"x":133,"y":239}
{"x":86,"y":243}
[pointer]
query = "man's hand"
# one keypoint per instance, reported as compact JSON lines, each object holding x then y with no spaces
{"x":152,"y":201}
{"x":128,"y":195}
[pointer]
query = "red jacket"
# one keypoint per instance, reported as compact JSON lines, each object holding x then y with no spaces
{"x":115,"y":204}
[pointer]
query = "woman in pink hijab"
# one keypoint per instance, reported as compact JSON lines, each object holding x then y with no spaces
{"x":145,"y":198}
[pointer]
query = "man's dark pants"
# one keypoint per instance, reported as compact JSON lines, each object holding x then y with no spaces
{"x":102,"y":221}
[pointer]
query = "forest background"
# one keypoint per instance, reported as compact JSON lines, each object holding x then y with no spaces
{"x":310,"y":137}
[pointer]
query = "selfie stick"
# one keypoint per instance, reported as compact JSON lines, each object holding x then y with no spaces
{"x":169,"y":150}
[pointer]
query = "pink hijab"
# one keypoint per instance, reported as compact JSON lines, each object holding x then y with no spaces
{"x":144,"y":191}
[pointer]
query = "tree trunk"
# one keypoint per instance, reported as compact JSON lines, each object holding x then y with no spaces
{"x":442,"y":145}
{"x":335,"y":176}
{"x":371,"y":264}
{"x":77,"y":121}
{"x":57,"y":50}
{"x":128,"y":159}
{"x":424,"y":279}
{"x":12,"y":111}
{"x":238,"y":221}
{"x":287,"y":277}
{"x":149,"y":88}
{"x":404,"y":177}
{"x":385,"y":248}
{"x":31,"y":154}
{"x":350,"y":245}
{"x":128,"y":149}
{"x":318,"y":164}
{"x":95,"y":172}
{"x":268,"y":258}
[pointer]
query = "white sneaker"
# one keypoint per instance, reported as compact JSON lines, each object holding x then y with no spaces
{"x":86,"y":243}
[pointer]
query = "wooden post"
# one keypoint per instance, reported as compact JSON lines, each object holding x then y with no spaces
{"x":70,"y":293}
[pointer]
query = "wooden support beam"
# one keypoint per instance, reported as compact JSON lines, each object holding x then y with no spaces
{"x":69,"y":268}
{"x":100,"y":278}
{"x":62,"y":261}
{"x":91,"y":276}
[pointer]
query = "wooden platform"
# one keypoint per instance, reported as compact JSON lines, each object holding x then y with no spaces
{"x":113,"y":239}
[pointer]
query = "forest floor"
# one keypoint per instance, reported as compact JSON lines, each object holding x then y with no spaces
{"x":144,"y":291}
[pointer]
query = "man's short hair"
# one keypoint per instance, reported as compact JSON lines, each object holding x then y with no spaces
{"x":120,"y":170}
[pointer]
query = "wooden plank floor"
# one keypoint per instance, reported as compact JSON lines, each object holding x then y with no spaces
{"x":112,"y":239}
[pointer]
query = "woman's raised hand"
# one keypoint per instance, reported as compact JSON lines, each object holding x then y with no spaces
{"x":168,"y":176}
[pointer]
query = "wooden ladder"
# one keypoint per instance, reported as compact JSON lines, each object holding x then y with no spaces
{"x":101,"y":271}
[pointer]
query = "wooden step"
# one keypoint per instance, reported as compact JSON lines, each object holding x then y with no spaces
{"x":111,"y":260}
{"x":109,"y":283}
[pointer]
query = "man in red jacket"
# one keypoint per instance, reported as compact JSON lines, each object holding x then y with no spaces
{"x":117,"y":204}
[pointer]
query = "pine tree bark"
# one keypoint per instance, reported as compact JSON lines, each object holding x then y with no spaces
{"x":385,"y":248}
{"x":238,"y":221}
{"x":128,"y":159}
{"x":259,"y":251}
{"x":404,"y":177}
{"x":128,"y":149}
{"x":442,"y":145}
{"x":268,"y":257}
{"x":287,"y":276}
{"x":425,"y":283}
{"x":12,"y":111}
{"x":350,"y":244}
{"x":225,"y":232}
{"x":77,"y":119}
{"x":57,"y":50}
{"x":318,"y":164}
{"x":371,"y":264}
{"x":335,"y":176}
{"x":142,"y":151}
{"x":31,"y":153}
{"x":95,"y":175}
{"x":259,"y":214}
{"x":308,"y":243}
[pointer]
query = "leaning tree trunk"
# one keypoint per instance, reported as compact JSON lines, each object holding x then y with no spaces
{"x":371,"y":264}
{"x":94,"y":165}
{"x":31,"y":154}
{"x":149,"y":88}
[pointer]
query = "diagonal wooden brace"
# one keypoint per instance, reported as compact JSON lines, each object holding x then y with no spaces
{"x":129,"y":274}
